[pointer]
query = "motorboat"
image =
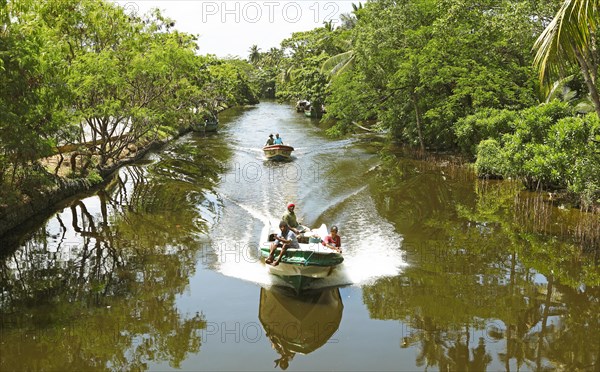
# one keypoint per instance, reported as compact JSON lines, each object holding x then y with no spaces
{"x":278,"y":152}
{"x":300,"y":266}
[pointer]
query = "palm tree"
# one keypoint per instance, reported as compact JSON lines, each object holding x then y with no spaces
{"x":341,"y":62}
{"x":349,"y":20}
{"x":254,"y":55}
{"x":569,"y":40}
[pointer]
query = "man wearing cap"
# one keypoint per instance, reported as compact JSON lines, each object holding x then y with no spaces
{"x":289,"y":217}
{"x":270,"y":140}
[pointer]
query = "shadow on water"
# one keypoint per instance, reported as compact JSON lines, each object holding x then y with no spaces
{"x":299,"y":324}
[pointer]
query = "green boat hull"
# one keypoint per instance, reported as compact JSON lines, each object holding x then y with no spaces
{"x":299,"y":268}
{"x":211,"y":126}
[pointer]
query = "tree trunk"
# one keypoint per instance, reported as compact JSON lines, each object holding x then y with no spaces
{"x":415,"y":101}
{"x":544,"y":320}
{"x":60,"y":161}
{"x":589,"y":82}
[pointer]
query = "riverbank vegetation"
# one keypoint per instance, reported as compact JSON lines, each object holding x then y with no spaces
{"x":88,"y":85}
{"x":511,"y":84}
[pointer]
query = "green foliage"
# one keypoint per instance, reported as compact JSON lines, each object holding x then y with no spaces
{"x":490,"y":159}
{"x":233,"y":83}
{"x":576,"y":156}
{"x":94,"y":177}
{"x":345,"y":111}
{"x":568,"y":41}
{"x":530,"y":156}
{"x":88,"y":71}
{"x":32,"y":90}
{"x":484,"y":124}
{"x":544,"y":146}
{"x":307,"y":82}
{"x":431,"y":64}
{"x":300,"y":75}
{"x":533,"y":123}
{"x":36,"y":179}
{"x":267,"y":71}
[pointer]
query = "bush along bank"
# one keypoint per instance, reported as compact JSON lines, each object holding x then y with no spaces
{"x":548,"y":147}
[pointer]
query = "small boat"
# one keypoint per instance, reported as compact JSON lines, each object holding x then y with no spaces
{"x":210,"y":125}
{"x":312,"y":112}
{"x":299,"y":324}
{"x":300,"y":266}
{"x":302,"y":105}
{"x":278,"y":152}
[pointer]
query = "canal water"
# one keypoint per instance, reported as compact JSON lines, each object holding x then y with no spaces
{"x":160,"y":270}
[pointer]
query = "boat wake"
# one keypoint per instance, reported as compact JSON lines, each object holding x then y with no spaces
{"x":372,"y":250}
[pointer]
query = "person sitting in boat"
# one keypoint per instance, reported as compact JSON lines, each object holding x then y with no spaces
{"x":333,"y":240}
{"x":286,"y":239}
{"x":289,"y":217}
{"x":278,"y":140}
{"x":270,"y":140}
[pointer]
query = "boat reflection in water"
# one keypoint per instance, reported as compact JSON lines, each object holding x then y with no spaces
{"x":299,"y":324}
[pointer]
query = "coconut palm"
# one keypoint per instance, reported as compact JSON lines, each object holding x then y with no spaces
{"x":254,"y":55}
{"x":341,"y":62}
{"x":569,"y":40}
{"x":349,"y":20}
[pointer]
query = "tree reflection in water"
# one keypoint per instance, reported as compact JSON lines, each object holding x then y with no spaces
{"x":95,"y":287}
{"x":494,"y":273}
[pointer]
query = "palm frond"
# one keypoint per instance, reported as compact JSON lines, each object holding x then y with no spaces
{"x":584,"y":107}
{"x":557,"y":88}
{"x":566,"y":38}
{"x":338,"y":64}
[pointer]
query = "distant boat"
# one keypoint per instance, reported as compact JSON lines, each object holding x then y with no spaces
{"x":209,"y":125}
{"x":311,"y":112}
{"x":302,"y":105}
{"x":300,"y":266}
{"x":278,"y":152}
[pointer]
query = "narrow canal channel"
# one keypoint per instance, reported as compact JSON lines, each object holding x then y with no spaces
{"x":160,"y":270}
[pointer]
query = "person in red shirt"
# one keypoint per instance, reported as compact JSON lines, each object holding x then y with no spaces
{"x":333,"y":240}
